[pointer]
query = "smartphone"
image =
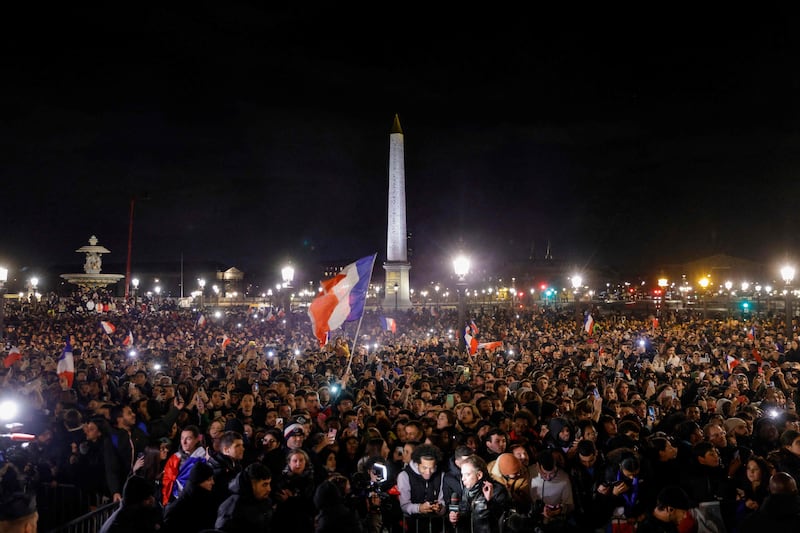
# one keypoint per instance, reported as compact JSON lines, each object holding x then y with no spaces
{"x":450,"y":401}
{"x":651,"y":411}
{"x":255,"y":386}
{"x":332,"y":434}
{"x":279,"y":421}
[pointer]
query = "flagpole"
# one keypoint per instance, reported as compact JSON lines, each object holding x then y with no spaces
{"x":358,"y":327}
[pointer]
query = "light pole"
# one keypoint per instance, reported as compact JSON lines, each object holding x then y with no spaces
{"x":396,"y":289}
{"x":287,"y":274}
{"x":662,"y":283}
{"x":703,"y":282}
{"x":202,"y":283}
{"x":787,"y":273}
{"x":3,"y":279}
{"x":577,"y":281}
{"x":135,"y":282}
{"x":461,"y":269}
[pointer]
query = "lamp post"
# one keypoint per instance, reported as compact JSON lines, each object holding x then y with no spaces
{"x":703,"y":282}
{"x":461,"y":269}
{"x":396,"y":289}
{"x":577,"y":281}
{"x":135,"y":282}
{"x":287,"y":274}
{"x":202,"y":283}
{"x":3,"y":279}
{"x":787,"y":273}
{"x":662,"y":283}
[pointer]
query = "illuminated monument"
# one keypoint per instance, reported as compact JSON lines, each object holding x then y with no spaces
{"x":396,"y":290}
{"x":91,"y":277}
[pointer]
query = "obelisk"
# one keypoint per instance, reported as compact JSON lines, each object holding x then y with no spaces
{"x":396,"y":293}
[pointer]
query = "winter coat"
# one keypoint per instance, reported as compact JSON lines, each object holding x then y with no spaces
{"x":334,"y":516}
{"x":193,"y":511}
{"x":476,"y":515}
{"x":241,"y":512}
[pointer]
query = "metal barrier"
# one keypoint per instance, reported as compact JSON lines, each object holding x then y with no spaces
{"x":90,"y":522}
{"x":61,"y":504}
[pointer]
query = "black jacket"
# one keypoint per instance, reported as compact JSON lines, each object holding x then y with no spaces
{"x":193,"y":511}
{"x":780,"y":512}
{"x":241,"y":512}
{"x":476,"y":515}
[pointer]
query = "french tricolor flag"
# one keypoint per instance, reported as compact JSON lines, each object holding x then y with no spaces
{"x":751,"y":333}
{"x":201,"y":320}
{"x":108,"y":327}
{"x":473,"y":327}
{"x":588,"y":323}
{"x":128,"y":340}
{"x":66,"y":364}
{"x":389,"y":324}
{"x":225,"y":341}
{"x":342,"y":298}
{"x":13,"y":356}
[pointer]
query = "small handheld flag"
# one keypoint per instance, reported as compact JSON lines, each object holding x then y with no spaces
{"x":108,"y":327}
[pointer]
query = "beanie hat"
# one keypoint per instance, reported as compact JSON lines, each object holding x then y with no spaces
{"x":733,"y":423}
{"x":200,"y":472}
{"x":137,"y":489}
{"x":508,"y":464}
{"x":293,"y":429}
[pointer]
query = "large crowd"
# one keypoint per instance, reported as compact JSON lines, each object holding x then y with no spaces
{"x":242,"y":422}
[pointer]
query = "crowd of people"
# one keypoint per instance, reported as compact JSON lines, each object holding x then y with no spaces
{"x":242,"y":422}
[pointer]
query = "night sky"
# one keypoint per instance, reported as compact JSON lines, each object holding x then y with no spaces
{"x":250,"y":135}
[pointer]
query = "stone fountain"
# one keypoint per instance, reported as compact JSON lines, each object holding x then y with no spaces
{"x":92,"y":278}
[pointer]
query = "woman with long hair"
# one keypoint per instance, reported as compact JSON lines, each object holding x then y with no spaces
{"x":753,"y":487}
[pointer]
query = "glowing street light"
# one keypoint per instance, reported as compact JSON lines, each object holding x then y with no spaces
{"x":461,"y":266}
{"x":3,"y":279}
{"x":703,"y":282}
{"x":287,"y":275}
{"x":787,"y":273}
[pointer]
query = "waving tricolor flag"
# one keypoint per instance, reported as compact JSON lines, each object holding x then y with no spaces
{"x":342,"y":299}
{"x":751,"y":333}
{"x":473,"y":345}
{"x":108,"y":327}
{"x":13,"y":356}
{"x":732,"y":362}
{"x":201,"y":320}
{"x":66,"y":364}
{"x":588,"y":323}
{"x":473,"y":327}
{"x":225,"y":341}
{"x":128,"y":340}
{"x":389,"y":324}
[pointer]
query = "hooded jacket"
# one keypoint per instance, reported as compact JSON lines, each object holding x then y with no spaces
{"x":334,"y":516}
{"x":241,"y":512}
{"x":194,"y":510}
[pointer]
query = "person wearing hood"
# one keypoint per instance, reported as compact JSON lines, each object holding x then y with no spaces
{"x":781,"y":509}
{"x":138,"y":512}
{"x":515,"y":478}
{"x":484,"y":500}
{"x":294,"y":494}
{"x":248,"y":509}
{"x":334,"y":515}
{"x":561,"y":437}
{"x":195,"y":509}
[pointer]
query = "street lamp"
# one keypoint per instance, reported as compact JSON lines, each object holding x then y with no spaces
{"x":662,"y":283}
{"x":287,"y":274}
{"x":703,"y":282}
{"x":135,"y":282}
{"x":461,"y":269}
{"x":577,"y":282}
{"x":3,"y":279}
{"x":787,"y":273}
{"x":396,"y":289}
{"x":202,"y":283}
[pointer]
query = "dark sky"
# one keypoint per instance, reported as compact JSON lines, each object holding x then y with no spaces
{"x":250,"y":135}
